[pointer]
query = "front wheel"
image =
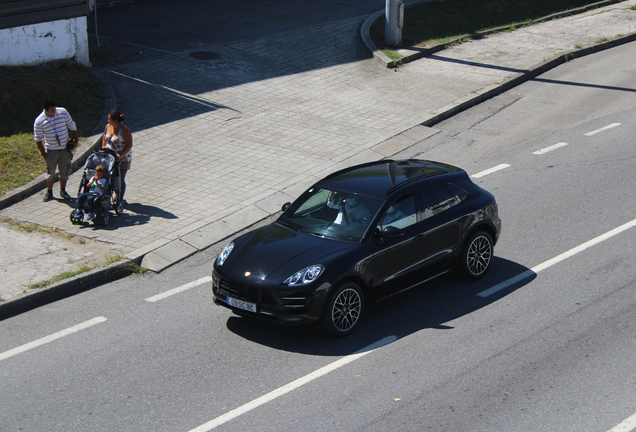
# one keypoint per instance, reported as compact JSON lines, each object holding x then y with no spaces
{"x":119,"y":207}
{"x":344,"y":310}
{"x":477,"y":255}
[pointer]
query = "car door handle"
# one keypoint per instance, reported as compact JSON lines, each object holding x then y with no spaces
{"x":419,"y":237}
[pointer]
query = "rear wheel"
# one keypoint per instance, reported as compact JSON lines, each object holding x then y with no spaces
{"x":344,"y":310}
{"x":477,"y":254}
{"x":119,"y":208}
{"x":104,"y":219}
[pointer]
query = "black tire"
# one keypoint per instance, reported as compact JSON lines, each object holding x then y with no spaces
{"x":119,"y":208}
{"x":477,"y":255}
{"x":76,"y":220}
{"x":343,"y":310}
{"x":105,"y":218}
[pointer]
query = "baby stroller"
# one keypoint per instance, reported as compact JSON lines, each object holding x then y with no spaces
{"x":101,"y":204}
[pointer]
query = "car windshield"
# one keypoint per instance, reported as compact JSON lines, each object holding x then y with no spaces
{"x":333,"y":214}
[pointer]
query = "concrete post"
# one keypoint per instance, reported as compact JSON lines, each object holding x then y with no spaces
{"x":394,"y":20}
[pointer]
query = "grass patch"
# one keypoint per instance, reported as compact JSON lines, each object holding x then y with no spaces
{"x":135,"y":268}
{"x":28,"y":227}
{"x":436,"y":22}
{"x":22,"y":90}
{"x":110,"y":259}
{"x":82,"y":269}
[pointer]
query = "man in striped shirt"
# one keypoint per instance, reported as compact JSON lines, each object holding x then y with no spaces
{"x":51,"y":133}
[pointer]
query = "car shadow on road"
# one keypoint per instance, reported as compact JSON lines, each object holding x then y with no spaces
{"x":428,"y":306}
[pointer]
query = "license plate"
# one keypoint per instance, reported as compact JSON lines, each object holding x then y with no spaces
{"x":251,"y":307}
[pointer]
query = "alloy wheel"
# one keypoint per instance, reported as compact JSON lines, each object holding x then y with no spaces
{"x":479,"y":255}
{"x":346,"y":310}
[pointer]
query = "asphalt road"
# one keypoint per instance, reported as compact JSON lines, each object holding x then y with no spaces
{"x":553,"y":351}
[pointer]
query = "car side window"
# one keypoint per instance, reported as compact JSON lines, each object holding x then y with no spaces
{"x":439,"y":197}
{"x":401,"y":214}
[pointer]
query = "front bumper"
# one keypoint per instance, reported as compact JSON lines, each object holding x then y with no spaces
{"x":286,"y":306}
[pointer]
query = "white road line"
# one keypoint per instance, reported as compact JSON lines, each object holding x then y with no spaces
{"x":549,"y":149}
{"x":490,"y":171}
{"x":292,"y":386}
{"x":86,"y":324}
{"x":613,"y":125}
{"x":625,"y":426}
{"x":177,"y":290}
{"x":549,"y":263}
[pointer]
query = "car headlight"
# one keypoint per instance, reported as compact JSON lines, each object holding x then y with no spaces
{"x":305,"y":276}
{"x":224,"y":254}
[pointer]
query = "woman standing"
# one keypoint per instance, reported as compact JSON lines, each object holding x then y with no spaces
{"x":118,"y":138}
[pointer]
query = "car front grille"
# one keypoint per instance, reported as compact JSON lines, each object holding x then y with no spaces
{"x":264,"y":298}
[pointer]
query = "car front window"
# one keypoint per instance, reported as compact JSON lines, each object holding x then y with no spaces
{"x":333,"y":214}
{"x":401,"y":214}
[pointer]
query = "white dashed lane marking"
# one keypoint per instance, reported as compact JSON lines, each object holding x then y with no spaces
{"x":603,"y":129}
{"x":549,"y":263}
{"x":86,"y":324}
{"x":549,"y":149}
{"x":177,"y":290}
{"x":490,"y":171}
{"x":292,"y":385}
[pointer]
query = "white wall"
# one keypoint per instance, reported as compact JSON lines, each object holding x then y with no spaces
{"x":45,"y":42}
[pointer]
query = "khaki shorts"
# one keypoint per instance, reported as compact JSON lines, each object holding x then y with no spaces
{"x":60,"y":159}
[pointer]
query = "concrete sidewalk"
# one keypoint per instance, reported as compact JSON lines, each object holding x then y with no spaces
{"x":225,"y":135}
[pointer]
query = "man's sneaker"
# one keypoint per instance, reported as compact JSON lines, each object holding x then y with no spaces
{"x":64,"y":194}
{"x":90,"y":217}
{"x":48,"y":196}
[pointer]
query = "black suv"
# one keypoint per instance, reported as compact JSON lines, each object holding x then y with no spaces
{"x":359,"y":235}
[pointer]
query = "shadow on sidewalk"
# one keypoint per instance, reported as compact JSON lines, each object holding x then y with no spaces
{"x":148,"y":210}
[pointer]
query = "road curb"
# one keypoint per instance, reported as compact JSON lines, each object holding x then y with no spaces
{"x":411,"y":53}
{"x":470,"y":101}
{"x":65,"y":288}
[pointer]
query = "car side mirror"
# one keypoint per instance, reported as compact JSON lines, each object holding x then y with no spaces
{"x":392,"y":232}
{"x":387,"y":233}
{"x":285,"y":206}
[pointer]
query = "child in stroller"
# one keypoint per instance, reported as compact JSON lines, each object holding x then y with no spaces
{"x":91,"y":197}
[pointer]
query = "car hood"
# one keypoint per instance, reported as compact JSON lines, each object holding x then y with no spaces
{"x":271,"y":254}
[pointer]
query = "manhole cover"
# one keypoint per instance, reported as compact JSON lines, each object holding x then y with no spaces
{"x":204,"y":55}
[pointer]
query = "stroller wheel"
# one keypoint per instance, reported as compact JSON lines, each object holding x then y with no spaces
{"x":119,"y":208}
{"x":77,"y":217}
{"x":105,"y":218}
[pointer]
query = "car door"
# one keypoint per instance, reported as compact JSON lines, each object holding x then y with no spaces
{"x":396,"y":258}
{"x":441,"y":220}
{"x":429,"y":238}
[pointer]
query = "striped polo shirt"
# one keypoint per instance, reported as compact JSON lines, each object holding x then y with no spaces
{"x":53,"y":131}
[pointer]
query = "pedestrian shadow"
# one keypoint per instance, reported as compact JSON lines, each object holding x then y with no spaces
{"x":428,"y":306}
{"x":148,"y":210}
{"x":134,"y":214}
